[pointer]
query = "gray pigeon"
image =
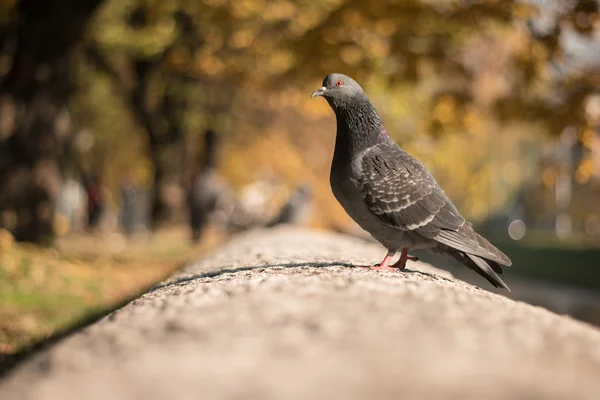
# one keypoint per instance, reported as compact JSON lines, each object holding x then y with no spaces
{"x":391,"y":195}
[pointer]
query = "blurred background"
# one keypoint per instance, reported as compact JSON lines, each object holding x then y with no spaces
{"x":137,"y":134}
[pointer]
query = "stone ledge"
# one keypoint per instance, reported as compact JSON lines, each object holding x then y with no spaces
{"x":280,"y":314}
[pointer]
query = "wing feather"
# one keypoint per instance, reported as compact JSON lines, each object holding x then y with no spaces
{"x":400,"y":192}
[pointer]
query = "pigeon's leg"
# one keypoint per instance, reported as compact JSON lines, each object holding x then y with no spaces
{"x":383,"y":265}
{"x":401,"y":263}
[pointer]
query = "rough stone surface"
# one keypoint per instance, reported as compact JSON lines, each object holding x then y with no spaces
{"x":280,"y":315}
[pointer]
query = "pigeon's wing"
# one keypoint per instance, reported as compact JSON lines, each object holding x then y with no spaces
{"x":399,"y":191}
{"x":403,"y":195}
{"x":467,"y":240}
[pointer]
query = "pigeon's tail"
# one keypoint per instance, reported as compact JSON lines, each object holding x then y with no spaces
{"x":487,"y":268}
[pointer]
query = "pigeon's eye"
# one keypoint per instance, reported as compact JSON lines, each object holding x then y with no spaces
{"x":339,"y":83}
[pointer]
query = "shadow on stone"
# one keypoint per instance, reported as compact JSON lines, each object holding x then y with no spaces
{"x":11,"y":361}
{"x":316,"y":264}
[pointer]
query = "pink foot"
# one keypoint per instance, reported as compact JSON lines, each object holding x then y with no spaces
{"x":383,"y":266}
{"x":401,"y":263}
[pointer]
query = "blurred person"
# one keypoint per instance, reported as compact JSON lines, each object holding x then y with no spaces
{"x":209,"y":195}
{"x":128,"y":206}
{"x":72,"y":203}
{"x":252,"y":206}
{"x":96,"y":201}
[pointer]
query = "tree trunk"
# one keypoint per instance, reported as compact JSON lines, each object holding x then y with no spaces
{"x":168,"y":153}
{"x":159,"y":112}
{"x":163,"y":124}
{"x":35,"y":131}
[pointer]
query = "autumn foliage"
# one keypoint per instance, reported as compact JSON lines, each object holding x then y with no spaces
{"x":477,"y":90}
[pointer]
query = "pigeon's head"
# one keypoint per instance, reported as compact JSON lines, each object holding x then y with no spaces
{"x":339,"y":89}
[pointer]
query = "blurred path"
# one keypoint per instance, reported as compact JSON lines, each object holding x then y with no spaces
{"x":286,"y":321}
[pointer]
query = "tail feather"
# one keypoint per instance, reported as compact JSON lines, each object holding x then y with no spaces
{"x":485,"y":268}
{"x":467,"y":240}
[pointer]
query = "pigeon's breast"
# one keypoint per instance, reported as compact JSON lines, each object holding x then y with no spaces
{"x":345,"y":185}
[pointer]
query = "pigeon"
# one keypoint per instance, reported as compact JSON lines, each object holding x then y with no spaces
{"x":391,"y":195}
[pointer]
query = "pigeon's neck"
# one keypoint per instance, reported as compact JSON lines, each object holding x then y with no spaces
{"x":359,"y":127}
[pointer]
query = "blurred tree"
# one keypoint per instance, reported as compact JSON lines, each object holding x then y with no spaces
{"x":37,"y":41}
{"x":153,"y":92}
{"x":455,"y":72}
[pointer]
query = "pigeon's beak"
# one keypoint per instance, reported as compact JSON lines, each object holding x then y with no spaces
{"x":319,"y":92}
